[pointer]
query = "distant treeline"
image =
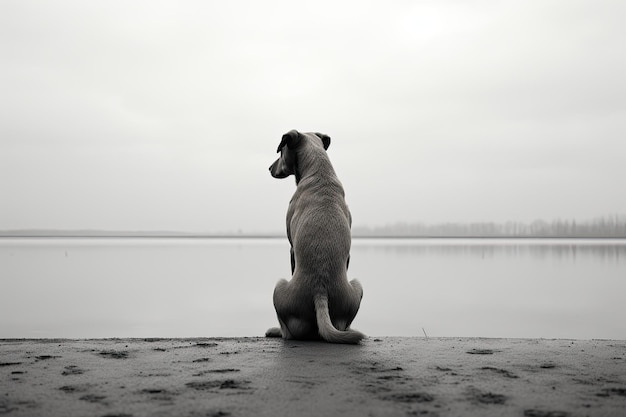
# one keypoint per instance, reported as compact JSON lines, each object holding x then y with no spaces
{"x":603,"y":227}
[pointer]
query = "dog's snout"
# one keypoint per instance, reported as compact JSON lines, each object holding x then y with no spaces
{"x":277,"y":170}
{"x":273,"y":168}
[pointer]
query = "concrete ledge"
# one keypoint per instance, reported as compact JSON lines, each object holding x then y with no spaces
{"x":270,"y":377}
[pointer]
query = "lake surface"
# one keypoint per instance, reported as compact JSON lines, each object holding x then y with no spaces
{"x":177,"y":287}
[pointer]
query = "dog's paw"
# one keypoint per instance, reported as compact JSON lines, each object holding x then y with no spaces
{"x":273,"y":332}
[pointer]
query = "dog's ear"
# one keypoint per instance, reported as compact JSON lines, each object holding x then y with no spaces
{"x":325,"y":139}
{"x":290,"y":139}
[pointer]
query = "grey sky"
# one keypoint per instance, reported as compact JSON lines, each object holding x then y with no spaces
{"x":165,"y":115}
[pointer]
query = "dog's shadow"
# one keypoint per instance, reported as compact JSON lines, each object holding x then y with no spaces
{"x":334,"y":378}
{"x":317,"y":366}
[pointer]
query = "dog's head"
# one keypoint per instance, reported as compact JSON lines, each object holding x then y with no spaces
{"x":292,"y":141}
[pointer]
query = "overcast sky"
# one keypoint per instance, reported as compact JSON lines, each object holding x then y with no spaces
{"x":165,"y":115}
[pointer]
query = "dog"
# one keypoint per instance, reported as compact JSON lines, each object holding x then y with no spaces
{"x":318,"y":302}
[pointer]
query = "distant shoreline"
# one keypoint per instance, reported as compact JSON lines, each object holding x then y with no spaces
{"x":270,"y":236}
{"x":608,"y":227}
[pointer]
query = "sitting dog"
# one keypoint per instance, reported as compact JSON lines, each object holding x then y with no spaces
{"x":318,"y":301}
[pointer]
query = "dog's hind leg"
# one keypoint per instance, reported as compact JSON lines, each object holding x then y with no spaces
{"x":354,"y":301}
{"x":340,"y":325}
{"x":294,"y":323}
{"x":299,"y":329}
{"x":281,"y":331}
{"x":357,"y":289}
{"x":273,"y":332}
{"x":296,"y":329}
{"x":280,"y":297}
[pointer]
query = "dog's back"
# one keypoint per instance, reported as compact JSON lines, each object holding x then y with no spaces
{"x":319,"y":300}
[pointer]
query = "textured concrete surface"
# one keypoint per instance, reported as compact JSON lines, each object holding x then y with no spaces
{"x":269,"y":377}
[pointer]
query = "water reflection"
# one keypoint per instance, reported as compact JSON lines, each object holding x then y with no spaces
{"x":223,"y":287}
{"x":492,"y":287}
{"x":605,"y":250}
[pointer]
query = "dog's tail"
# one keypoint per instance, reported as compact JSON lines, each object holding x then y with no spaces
{"x":326,"y":328}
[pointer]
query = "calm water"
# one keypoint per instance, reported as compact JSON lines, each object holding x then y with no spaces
{"x":223,"y":287}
